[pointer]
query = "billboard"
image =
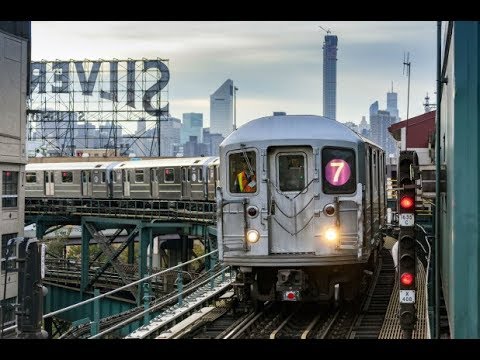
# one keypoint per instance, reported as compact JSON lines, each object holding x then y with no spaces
{"x":106,"y":97}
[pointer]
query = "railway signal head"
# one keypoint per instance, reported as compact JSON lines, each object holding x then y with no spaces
{"x":407,"y":239}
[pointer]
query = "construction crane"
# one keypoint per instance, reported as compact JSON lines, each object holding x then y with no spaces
{"x":326,"y":30}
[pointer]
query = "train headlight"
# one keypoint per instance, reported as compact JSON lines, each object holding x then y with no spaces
{"x":331,"y":234}
{"x":252,"y":236}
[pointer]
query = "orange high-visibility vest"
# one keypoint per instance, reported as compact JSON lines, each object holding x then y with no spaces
{"x":243,"y":183}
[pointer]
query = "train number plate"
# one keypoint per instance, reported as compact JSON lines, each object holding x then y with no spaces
{"x":407,"y":219}
{"x":407,"y":296}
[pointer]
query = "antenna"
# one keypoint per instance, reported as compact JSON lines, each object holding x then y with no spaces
{"x":407,"y":64}
{"x":326,"y":30}
{"x":428,"y":106}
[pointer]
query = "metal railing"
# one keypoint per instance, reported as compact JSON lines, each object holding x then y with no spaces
{"x":172,"y":210}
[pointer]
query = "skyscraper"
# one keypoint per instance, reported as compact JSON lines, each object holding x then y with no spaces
{"x":192,"y":126}
{"x":330,"y":76}
{"x":221,"y":109}
{"x":392,"y":104}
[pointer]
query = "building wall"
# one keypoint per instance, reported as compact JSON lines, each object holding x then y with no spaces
{"x":13,"y":90}
{"x":460,"y":205}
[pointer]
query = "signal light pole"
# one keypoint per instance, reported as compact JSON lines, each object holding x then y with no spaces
{"x":407,"y":242}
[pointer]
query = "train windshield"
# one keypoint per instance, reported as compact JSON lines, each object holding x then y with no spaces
{"x":338,"y":171}
{"x":291,"y":172}
{"x":242,"y":172}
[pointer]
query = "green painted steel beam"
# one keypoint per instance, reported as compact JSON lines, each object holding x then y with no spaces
{"x":86,"y":237}
{"x":145,"y":237}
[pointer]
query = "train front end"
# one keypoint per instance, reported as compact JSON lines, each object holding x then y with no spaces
{"x":290,"y":208}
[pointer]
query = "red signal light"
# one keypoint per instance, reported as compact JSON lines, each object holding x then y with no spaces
{"x":406,"y":279}
{"x":291,"y":295}
{"x":406,"y":202}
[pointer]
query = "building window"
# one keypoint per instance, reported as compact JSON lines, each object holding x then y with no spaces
{"x":31,"y":177}
{"x":5,"y":238}
{"x":7,"y":311}
{"x":13,"y":252}
{"x":169,"y":175}
{"x":67,"y":177}
{"x":9,"y":189}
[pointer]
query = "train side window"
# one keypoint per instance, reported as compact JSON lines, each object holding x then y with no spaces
{"x":31,"y":177}
{"x":291,"y":172}
{"x":67,"y":177}
{"x":189,"y":174}
{"x":114,"y":176}
{"x":169,"y":175}
{"x":104,"y":177}
{"x":200,"y":174}
{"x":242,"y":169}
{"x":139,"y":176}
{"x":339,"y":172}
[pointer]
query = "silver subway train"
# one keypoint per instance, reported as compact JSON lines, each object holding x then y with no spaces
{"x":310,"y":210}
{"x":192,"y":179}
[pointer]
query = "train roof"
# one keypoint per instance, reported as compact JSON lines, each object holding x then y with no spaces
{"x":190,"y":161}
{"x":67,"y":166}
{"x":286,"y":127}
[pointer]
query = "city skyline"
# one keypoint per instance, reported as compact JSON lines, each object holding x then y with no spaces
{"x":275,"y":65}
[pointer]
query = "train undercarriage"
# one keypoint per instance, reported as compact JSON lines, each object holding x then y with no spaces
{"x":305,"y":284}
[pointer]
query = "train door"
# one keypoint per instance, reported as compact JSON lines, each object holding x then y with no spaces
{"x":126,"y":182}
{"x":186,"y":185}
{"x":154,"y":183}
{"x":291,"y":200}
{"x":110,"y":175}
{"x":86,"y":183}
{"x":49,"y":183}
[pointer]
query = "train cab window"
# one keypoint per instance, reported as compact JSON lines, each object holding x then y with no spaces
{"x":291,"y":172}
{"x":200,"y":174}
{"x":31,"y":177}
{"x":139,"y":176}
{"x":67,"y":177}
{"x":339,"y":173}
{"x":104,"y":177}
{"x":242,"y":169}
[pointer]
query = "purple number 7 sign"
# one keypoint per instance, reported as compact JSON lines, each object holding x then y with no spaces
{"x":337,"y":172}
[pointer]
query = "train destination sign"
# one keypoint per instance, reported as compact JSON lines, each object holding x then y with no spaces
{"x":337,"y":172}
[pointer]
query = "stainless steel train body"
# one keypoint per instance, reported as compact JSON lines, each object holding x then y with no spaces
{"x":313,"y":218}
{"x":165,"y":179}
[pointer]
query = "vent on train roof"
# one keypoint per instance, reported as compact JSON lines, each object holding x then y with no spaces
{"x":196,"y":161}
{"x":97,"y":166}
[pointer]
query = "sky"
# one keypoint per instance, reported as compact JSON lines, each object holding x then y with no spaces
{"x":276,"y":66}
